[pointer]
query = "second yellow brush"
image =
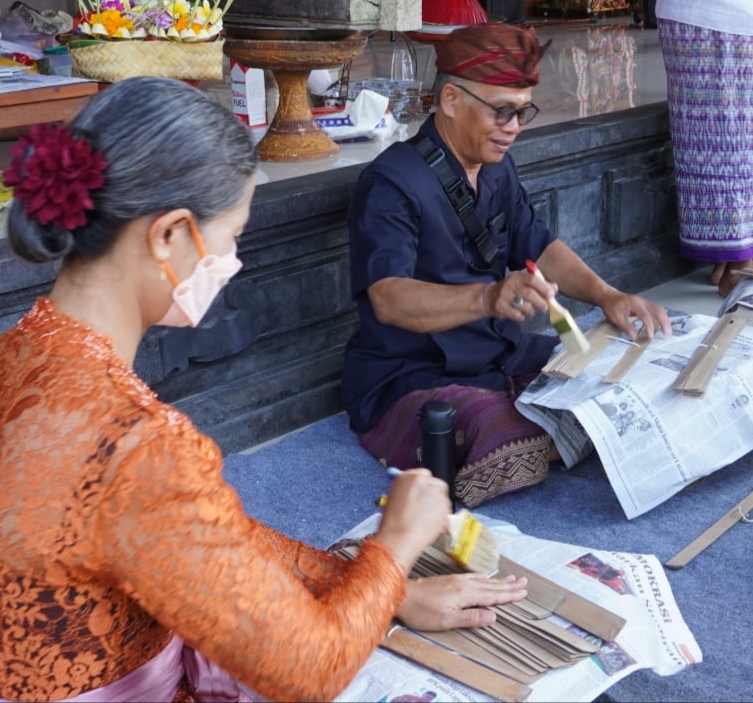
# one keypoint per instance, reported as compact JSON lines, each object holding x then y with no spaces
{"x":467,"y":541}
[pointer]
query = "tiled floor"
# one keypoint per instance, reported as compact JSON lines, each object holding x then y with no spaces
{"x":592,"y":69}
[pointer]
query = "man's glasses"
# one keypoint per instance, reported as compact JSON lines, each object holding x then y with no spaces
{"x":504,"y":114}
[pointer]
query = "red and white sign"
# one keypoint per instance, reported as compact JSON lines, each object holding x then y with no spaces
{"x":249,"y":94}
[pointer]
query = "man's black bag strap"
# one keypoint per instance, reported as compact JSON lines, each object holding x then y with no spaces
{"x":460,"y":196}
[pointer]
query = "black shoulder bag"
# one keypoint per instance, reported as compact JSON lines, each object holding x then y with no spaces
{"x":460,"y":196}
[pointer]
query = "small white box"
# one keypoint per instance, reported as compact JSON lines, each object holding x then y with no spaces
{"x":249,"y":94}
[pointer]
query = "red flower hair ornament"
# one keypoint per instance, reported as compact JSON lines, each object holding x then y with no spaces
{"x":53,"y":173}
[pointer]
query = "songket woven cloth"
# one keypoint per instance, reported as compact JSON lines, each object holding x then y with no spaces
{"x":497,"y":450}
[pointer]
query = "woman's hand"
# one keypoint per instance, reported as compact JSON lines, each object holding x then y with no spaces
{"x":457,"y":600}
{"x":416,"y":513}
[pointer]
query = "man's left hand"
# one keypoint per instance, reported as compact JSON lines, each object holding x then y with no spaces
{"x":621,"y":308}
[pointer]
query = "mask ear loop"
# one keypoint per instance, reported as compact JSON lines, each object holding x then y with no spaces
{"x":174,"y":280}
{"x":197,"y":237}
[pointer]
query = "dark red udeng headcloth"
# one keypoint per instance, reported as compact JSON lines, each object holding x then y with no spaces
{"x":494,"y":53}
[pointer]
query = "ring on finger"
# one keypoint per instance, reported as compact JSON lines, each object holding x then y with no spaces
{"x":518,"y":302}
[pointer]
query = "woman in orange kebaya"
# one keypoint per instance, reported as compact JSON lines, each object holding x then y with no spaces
{"x":129,"y":571}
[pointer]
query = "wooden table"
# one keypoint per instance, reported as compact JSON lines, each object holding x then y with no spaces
{"x":59,"y":103}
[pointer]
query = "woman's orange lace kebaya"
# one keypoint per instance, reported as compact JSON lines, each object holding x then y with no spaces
{"x":118,"y":529}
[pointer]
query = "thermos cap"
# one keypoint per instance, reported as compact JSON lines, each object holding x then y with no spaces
{"x":436,"y":417}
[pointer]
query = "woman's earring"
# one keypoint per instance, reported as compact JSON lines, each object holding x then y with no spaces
{"x":162,"y":274}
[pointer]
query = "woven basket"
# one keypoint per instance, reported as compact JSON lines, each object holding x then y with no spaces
{"x":112,"y":61}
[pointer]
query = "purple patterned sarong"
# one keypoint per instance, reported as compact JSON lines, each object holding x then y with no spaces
{"x":497,"y":450}
{"x":710,"y":97}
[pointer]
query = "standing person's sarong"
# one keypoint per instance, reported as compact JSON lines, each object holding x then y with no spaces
{"x":497,"y":450}
{"x":710,"y":97}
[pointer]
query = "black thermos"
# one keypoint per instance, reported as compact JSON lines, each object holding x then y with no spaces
{"x":436,"y":419}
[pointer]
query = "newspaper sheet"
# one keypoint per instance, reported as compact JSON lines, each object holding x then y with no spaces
{"x":652,"y":440}
{"x":741,"y":295}
{"x":634,"y":586}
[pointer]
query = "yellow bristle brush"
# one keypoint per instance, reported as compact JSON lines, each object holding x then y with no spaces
{"x":470,"y":544}
{"x":468,"y":541}
{"x":569,"y":333}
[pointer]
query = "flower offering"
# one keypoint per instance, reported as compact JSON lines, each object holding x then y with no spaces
{"x":176,"y":20}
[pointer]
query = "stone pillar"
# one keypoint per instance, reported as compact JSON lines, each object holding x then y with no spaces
{"x":400,"y":15}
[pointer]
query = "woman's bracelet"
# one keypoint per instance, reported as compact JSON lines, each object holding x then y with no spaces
{"x":484,"y":295}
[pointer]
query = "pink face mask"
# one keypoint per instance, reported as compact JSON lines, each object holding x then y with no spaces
{"x":193,"y":296}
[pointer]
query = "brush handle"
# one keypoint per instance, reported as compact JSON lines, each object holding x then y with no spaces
{"x":561,"y":319}
{"x":557,"y":311}
{"x":534,"y":270}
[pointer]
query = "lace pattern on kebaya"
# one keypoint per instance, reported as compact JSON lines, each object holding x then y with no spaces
{"x":118,"y":530}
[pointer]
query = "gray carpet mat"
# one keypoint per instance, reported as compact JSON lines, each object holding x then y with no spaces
{"x":317,"y":483}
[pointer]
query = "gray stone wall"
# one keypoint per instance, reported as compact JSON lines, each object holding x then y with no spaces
{"x":267,"y":357}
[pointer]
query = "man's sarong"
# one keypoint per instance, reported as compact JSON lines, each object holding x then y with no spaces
{"x":497,"y":450}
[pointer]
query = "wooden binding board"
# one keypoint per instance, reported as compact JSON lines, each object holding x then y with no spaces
{"x":696,"y":376}
{"x":566,"y":365}
{"x":522,"y":645}
{"x":737,"y":514}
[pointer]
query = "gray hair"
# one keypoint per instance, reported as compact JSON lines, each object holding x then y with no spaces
{"x":166,"y":145}
{"x":440,"y":81}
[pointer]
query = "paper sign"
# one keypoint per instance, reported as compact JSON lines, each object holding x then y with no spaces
{"x":249,"y":94}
